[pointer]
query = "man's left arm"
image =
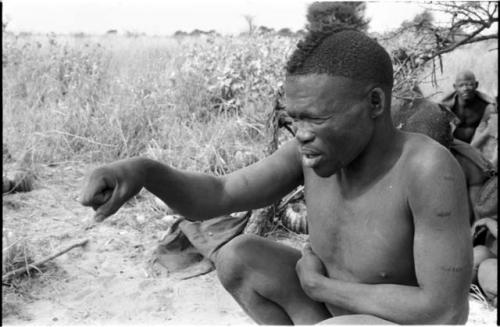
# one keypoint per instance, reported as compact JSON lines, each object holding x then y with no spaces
{"x":442,"y":255}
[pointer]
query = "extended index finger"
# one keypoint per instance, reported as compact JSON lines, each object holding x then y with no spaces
{"x":97,"y":191}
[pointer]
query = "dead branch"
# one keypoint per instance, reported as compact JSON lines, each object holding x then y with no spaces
{"x":468,"y":40}
{"x":43,"y":261}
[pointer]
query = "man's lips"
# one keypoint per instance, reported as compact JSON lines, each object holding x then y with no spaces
{"x":310,"y":158}
{"x":309,"y":152}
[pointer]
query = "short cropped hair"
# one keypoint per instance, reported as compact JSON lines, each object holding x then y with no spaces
{"x":341,"y":51}
{"x":433,"y":121}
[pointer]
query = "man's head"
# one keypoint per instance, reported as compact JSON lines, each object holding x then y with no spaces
{"x":345,"y":52}
{"x":433,"y":120}
{"x":465,"y":85}
{"x":338,"y":84}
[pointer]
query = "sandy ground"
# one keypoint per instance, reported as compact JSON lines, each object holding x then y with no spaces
{"x":109,"y":282}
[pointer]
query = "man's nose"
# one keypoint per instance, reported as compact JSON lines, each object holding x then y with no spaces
{"x":304,"y":135}
{"x":468,"y":86}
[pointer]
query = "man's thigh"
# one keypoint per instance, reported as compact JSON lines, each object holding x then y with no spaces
{"x":268,"y":268}
{"x":356,"y":320}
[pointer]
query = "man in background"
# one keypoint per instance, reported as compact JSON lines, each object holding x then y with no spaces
{"x":477,"y":114}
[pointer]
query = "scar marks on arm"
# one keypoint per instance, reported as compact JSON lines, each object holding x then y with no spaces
{"x":455,"y":269}
{"x":443,"y":213}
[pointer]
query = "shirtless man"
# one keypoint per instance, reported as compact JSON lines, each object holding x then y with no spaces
{"x":474,"y":109}
{"x":387,"y":210}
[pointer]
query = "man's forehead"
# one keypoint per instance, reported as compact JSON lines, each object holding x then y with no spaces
{"x":319,"y":83}
{"x":465,"y":76}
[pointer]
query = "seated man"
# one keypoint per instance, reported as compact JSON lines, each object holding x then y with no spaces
{"x":477,"y":114}
{"x":363,"y":180}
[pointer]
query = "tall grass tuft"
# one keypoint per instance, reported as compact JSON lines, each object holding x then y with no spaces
{"x":193,"y":103}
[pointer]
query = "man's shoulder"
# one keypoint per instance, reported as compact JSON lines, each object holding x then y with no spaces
{"x":427,"y":165}
{"x":486,"y":98}
{"x":425,"y":156}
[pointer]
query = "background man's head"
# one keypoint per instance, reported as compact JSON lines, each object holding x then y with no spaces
{"x":465,"y":85}
{"x":433,"y":120}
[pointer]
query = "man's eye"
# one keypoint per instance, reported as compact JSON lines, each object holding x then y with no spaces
{"x":318,"y":120}
{"x":309,"y":120}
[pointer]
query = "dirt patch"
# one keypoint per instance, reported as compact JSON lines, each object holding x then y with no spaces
{"x":110,"y":280}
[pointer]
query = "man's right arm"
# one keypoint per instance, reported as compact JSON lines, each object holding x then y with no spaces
{"x":195,"y":195}
{"x":200,"y":196}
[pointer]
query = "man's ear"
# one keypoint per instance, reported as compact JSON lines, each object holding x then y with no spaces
{"x":377,"y":101}
{"x":477,"y":84}
{"x":455,"y":87}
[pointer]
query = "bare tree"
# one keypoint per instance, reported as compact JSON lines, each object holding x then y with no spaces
{"x":467,"y":22}
{"x":422,"y":40}
{"x":323,"y":14}
{"x":250,"y":22}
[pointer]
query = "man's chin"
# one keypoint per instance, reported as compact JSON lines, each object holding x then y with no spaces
{"x":468,"y":97}
{"x":324,"y":172}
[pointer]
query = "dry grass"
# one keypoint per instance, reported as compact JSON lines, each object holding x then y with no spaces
{"x":16,"y":253}
{"x":194,"y":104}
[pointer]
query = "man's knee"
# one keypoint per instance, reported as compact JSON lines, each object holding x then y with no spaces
{"x":487,"y":276}
{"x":232,"y":260}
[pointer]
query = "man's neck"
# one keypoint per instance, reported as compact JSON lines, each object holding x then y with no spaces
{"x":377,"y":159}
{"x":463,"y":103}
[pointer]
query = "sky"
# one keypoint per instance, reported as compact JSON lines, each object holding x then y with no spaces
{"x":164,"y":17}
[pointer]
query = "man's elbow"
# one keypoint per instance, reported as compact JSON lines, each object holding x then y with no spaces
{"x":447,"y":312}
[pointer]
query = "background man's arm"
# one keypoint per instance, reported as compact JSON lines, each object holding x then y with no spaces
{"x":442,"y":254}
{"x":489,"y":223}
{"x":202,"y":196}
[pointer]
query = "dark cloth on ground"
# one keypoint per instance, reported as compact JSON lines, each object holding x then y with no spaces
{"x":192,"y":242}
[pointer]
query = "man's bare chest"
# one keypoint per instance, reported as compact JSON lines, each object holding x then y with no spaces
{"x":470,"y":116}
{"x":368,"y":236}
